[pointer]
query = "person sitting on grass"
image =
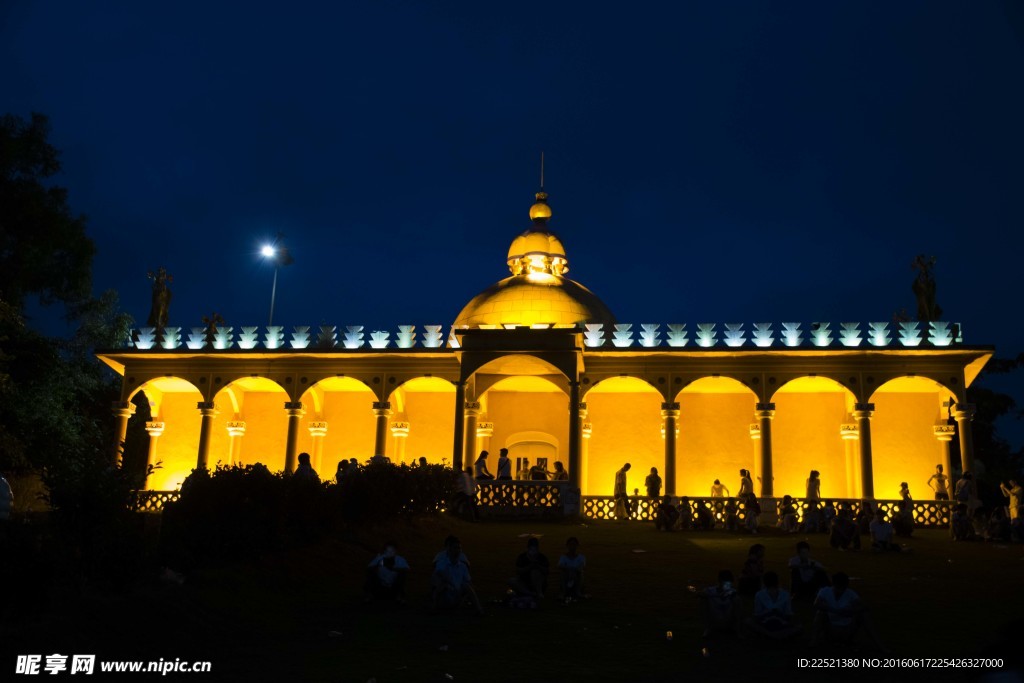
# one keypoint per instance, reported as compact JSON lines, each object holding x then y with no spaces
{"x":807,"y":575}
{"x":665,"y":515}
{"x":903,"y":520}
{"x":704,"y":519}
{"x":385,"y":576}
{"x":571,"y":565}
{"x":753,"y":570}
{"x":998,"y":526}
{"x":720,"y":607}
{"x":731,"y":515}
{"x":812,"y":518}
{"x":773,"y":611}
{"x":960,"y":524}
{"x":865,"y":516}
{"x":531,"y":578}
{"x":844,"y":534}
{"x":839,"y":614}
{"x":882,"y":534}
{"x":451,"y":583}
{"x":787,"y":515}
{"x":685,"y":514}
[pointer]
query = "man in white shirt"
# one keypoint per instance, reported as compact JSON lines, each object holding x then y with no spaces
{"x":385,"y":576}
{"x":839,"y":614}
{"x":451,"y":581}
{"x":773,"y":610}
{"x":571,"y":565}
{"x":504,"y":465}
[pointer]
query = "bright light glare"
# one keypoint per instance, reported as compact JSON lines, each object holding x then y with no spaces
{"x":268,"y":251}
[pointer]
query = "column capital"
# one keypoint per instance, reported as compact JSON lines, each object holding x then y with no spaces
{"x":964,"y":411}
{"x":122,"y":408}
{"x":207,"y":408}
{"x":587,"y":429}
{"x":755,"y":430}
{"x":400,"y":430}
{"x":848,"y":431}
{"x":382,"y":405}
{"x":236,"y":428}
{"x":155,"y":428}
{"x":484,"y":430}
{"x":764,"y":411}
{"x":944,"y":431}
{"x":317,"y":429}
{"x":472,"y":407}
{"x":863,"y":411}
{"x":670,"y":409}
{"x":293,"y":405}
{"x":764,"y":406}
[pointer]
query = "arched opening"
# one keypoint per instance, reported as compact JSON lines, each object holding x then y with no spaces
{"x":514,"y":405}
{"x":338,"y":424}
{"x":251,"y":424}
{"x":625,"y":415}
{"x":714,"y":442}
{"x":903,"y":442}
{"x":422,"y":420}
{"x":807,"y":435}
{"x":172,"y":401}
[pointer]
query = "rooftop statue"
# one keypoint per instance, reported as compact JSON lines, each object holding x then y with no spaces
{"x":924,"y":289}
{"x":161,"y":300}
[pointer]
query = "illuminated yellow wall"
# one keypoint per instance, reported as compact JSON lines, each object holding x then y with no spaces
{"x":431,"y":418}
{"x":266,"y":430}
{"x":714,"y":441}
{"x":350,"y":429}
{"x":179,"y":445}
{"x":627,"y":428}
{"x":806,"y":436}
{"x":528,"y":411}
{"x":903,"y":445}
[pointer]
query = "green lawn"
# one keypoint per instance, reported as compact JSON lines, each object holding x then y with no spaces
{"x":271,"y":621}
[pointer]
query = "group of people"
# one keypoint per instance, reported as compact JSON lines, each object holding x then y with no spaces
{"x":538,"y":472}
{"x":451,"y":585}
{"x":839,"y":614}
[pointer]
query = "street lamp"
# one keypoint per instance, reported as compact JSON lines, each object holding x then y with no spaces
{"x":277,"y":253}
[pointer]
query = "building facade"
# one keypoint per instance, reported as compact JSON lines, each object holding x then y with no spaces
{"x":537,"y":364}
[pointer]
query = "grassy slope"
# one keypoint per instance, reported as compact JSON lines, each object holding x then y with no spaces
{"x":270,"y":622}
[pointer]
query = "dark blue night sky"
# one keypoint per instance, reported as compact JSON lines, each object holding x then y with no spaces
{"x":707,"y":162}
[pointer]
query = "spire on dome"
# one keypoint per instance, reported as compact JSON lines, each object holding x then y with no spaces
{"x":540,"y":211}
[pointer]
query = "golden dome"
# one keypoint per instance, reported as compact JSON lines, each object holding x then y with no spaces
{"x":537,"y":293}
{"x":534,"y":299}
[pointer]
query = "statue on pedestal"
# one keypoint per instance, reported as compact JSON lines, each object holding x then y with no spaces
{"x":924,"y":289}
{"x":161,"y":300}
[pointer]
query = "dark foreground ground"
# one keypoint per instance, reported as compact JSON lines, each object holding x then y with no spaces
{"x":272,"y":621}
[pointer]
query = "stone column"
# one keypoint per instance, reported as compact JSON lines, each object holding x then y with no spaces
{"x":295,"y":413}
{"x":472,"y":413}
{"x":154,"y":429}
{"x":586,"y":430}
{"x":317,"y":432}
{"x":122,"y":411}
{"x":484,"y":432}
{"x":964,"y":415}
{"x":460,"y":426}
{"x":574,"y":434}
{"x":945,"y":432}
{"x":755,"y":440}
{"x":208,"y":411}
{"x":400,"y":432}
{"x":862,"y":414}
{"x":765,"y":412}
{"x":848,"y":434}
{"x":670,"y":413}
{"x":381,"y":411}
{"x":236,"y":430}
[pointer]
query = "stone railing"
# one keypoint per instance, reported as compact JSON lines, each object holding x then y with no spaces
{"x":497,"y":499}
{"x":927,"y":513}
{"x":595,"y":336}
{"x":154,"y":501}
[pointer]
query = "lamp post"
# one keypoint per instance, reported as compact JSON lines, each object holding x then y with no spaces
{"x":280,"y":256}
